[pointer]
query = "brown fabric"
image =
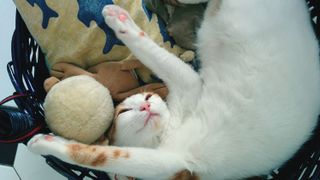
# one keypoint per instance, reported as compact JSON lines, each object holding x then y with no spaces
{"x":118,"y":77}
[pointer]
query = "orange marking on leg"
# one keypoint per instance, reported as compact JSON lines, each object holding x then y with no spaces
{"x":100,"y":160}
{"x":87,"y":154}
{"x":75,"y":147}
{"x":77,"y":153}
{"x":185,"y":175}
{"x":116,"y":153}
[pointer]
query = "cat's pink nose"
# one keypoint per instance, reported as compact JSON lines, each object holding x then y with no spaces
{"x":145,"y":106}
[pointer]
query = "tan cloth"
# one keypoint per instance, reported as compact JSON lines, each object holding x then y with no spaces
{"x":66,"y":38}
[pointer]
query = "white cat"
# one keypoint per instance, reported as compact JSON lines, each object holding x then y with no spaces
{"x":254,"y":102}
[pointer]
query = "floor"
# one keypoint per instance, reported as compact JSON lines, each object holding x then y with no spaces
{"x":17,"y":163}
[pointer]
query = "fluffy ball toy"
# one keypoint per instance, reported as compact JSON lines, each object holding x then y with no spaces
{"x":79,"y":108}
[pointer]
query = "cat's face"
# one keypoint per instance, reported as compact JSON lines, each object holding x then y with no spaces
{"x":138,"y":119}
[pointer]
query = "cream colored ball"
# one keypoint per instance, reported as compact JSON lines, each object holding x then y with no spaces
{"x":79,"y":108}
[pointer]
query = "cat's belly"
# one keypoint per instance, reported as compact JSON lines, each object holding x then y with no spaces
{"x":253,"y":133}
{"x":263,"y":116}
{"x":260,"y":100}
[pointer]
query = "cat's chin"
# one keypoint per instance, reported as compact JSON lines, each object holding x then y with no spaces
{"x":151,"y":124}
{"x":151,"y":116}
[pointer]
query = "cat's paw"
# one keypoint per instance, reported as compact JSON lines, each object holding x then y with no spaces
{"x":120,"y":21}
{"x":45,"y":144}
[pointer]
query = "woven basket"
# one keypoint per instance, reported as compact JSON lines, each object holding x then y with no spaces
{"x":28,"y":71}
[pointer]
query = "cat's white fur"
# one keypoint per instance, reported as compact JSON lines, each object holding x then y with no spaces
{"x":253,"y":103}
{"x":133,"y":127}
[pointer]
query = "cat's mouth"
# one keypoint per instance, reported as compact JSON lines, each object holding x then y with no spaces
{"x":150,"y":115}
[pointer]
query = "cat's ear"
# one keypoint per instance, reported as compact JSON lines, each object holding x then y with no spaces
{"x":111,"y":133}
{"x":112,"y":130}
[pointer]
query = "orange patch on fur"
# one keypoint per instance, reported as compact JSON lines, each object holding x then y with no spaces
{"x":75,"y":147}
{"x":116,"y":153}
{"x":185,"y":175}
{"x":99,"y":160}
{"x":87,"y":155}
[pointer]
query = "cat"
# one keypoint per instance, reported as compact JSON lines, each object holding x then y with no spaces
{"x":253,"y":103}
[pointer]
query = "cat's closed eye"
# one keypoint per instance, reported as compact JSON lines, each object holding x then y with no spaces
{"x":123,"y":110}
{"x":148,"y":96}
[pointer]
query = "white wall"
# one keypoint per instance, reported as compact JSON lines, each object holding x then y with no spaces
{"x":7,"y":15}
{"x":27,"y":165}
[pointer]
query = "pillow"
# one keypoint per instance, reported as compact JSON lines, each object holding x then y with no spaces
{"x":74,"y":31}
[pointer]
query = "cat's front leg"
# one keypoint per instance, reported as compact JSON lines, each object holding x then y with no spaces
{"x":132,"y":162}
{"x":177,"y":75}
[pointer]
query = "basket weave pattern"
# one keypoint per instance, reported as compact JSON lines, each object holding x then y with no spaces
{"x":28,"y":71}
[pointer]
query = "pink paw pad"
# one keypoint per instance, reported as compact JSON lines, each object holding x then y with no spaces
{"x":123,"y":17}
{"x":48,"y":138}
{"x":142,"y":34}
